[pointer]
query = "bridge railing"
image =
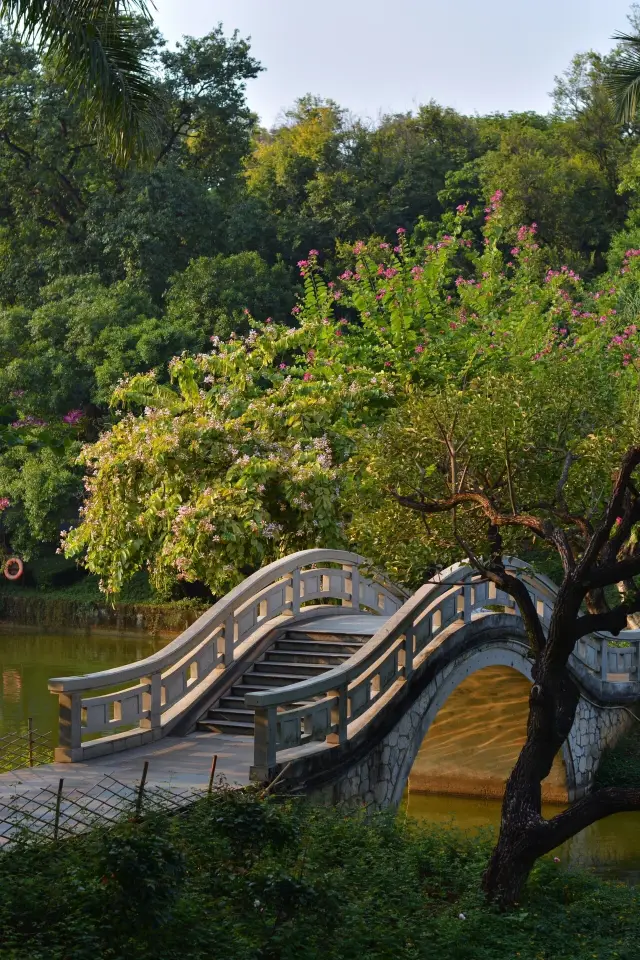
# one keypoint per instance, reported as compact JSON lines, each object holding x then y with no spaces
{"x":116,"y":709}
{"x":343,"y":700}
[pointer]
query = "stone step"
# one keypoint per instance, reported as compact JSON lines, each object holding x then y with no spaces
{"x":266,"y":680}
{"x":242,"y":714}
{"x":302,"y":657}
{"x":289,"y":667}
{"x":226,"y":726}
{"x":322,"y":647}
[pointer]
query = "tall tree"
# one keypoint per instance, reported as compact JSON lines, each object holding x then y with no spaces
{"x":98,"y":50}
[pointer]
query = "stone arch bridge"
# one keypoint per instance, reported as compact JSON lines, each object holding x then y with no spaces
{"x":337,"y":675}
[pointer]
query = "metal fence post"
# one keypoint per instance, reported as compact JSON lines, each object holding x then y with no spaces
{"x":30,"y":725}
{"x":56,"y":822}
{"x":213,"y":772}
{"x":143,"y":781}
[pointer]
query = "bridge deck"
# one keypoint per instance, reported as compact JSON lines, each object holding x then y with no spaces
{"x":179,"y":763}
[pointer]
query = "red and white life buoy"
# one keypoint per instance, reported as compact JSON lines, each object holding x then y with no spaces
{"x":13,"y":568}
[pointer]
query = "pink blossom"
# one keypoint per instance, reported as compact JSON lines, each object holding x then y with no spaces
{"x":313,"y":253}
{"x":4,"y":503}
{"x":29,"y":421}
{"x":296,"y":309}
{"x":462,"y":207}
{"x":419,"y":348}
{"x":283,"y":366}
{"x":400,"y":231}
{"x":73,"y":417}
{"x":358,"y":247}
{"x":307,"y":376}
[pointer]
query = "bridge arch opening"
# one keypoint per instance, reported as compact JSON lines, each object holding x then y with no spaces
{"x":469,"y":738}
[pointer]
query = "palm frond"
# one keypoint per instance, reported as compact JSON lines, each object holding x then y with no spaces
{"x":623,"y":78}
{"x":96,"y":48}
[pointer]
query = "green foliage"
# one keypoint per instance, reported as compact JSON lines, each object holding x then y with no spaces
{"x":282,"y":880}
{"x":217,"y":295}
{"x":620,"y":763}
{"x":97,"y":51}
{"x":246,"y":457}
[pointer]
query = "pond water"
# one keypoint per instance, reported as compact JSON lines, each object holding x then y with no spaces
{"x":610,"y":848}
{"x":28,"y":660}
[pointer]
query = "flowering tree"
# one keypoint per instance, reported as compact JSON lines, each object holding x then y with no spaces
{"x":246,"y":455}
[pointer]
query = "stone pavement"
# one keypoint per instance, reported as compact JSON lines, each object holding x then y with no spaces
{"x":179,"y":763}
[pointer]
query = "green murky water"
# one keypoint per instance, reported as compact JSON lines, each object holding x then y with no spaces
{"x":28,"y":660}
{"x":610,"y":848}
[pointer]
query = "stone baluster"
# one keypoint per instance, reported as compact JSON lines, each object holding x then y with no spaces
{"x":69,"y":728}
{"x":339,"y":716}
{"x":229,"y":639}
{"x":264,"y":755}
{"x":354,"y":576}
{"x":152,"y":701}
{"x":604,"y":659}
{"x":295,"y":592}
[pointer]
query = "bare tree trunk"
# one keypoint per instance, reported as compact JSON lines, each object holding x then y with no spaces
{"x":524,"y":834}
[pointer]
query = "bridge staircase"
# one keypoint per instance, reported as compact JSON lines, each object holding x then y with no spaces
{"x":297,"y":654}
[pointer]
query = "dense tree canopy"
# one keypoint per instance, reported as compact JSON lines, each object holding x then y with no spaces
{"x":110,"y":271}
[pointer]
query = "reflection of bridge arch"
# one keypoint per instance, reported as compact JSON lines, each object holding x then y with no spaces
{"x":511,"y":655}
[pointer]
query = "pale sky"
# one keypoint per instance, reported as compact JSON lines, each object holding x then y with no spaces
{"x":385,"y":56}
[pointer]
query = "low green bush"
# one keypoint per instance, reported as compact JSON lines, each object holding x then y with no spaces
{"x":620,"y":764}
{"x":239,"y":878}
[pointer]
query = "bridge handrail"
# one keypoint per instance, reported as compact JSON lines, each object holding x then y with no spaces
{"x":351,"y":690}
{"x":167,"y":681}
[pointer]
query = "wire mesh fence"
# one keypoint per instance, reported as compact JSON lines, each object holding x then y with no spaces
{"x":25,"y":748}
{"x":53,"y":812}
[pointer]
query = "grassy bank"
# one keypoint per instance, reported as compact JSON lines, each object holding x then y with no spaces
{"x":240,"y":879}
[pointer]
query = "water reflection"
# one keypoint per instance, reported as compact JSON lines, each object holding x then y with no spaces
{"x":476,"y":737}
{"x":28,"y":659}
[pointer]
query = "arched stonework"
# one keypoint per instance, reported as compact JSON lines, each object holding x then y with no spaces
{"x":379,"y":778}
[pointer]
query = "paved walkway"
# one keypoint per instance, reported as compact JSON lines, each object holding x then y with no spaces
{"x":180,"y":763}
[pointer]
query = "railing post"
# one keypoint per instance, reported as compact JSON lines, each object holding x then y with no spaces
{"x":151,"y":701}
{"x":69,"y":746}
{"x":339,"y":716}
{"x":295,"y":592}
{"x":604,"y":659}
{"x":408,"y":652}
{"x":355,"y":587}
{"x":468,"y":608}
{"x":264,"y":744}
{"x":229,"y":639}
